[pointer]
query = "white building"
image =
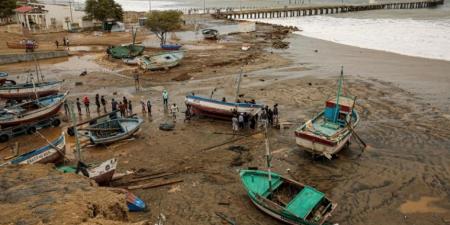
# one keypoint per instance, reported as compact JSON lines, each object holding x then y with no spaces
{"x":51,"y":17}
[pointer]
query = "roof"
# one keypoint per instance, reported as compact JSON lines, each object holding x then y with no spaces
{"x":24,"y":9}
{"x":30,"y":8}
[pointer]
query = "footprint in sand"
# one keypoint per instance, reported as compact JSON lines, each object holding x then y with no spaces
{"x":423,"y":205}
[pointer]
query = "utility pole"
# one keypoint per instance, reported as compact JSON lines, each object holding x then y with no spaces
{"x":204,"y":6}
{"x":149,"y":6}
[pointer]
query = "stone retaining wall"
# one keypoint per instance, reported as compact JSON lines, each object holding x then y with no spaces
{"x":15,"y":58}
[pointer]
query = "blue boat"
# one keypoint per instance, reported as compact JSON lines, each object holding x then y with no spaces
{"x":52,"y":153}
{"x":172,"y":47}
{"x":3,"y":74}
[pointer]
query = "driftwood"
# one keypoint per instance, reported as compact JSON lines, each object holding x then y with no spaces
{"x":154,"y":184}
{"x":226,"y":218}
{"x":229,"y":141}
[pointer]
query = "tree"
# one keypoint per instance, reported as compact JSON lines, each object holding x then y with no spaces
{"x":7,"y":8}
{"x":161,"y":22}
{"x":103,"y":9}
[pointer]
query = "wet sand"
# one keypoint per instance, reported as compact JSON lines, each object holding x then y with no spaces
{"x":404,"y":121}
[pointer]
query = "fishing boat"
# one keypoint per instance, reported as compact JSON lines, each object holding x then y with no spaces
{"x":284,"y":199}
{"x":23,"y":44}
{"x":9,"y":89}
{"x":210,"y":33}
{"x":130,"y":61}
{"x":222,"y":109}
{"x":102,"y":173}
{"x":172,"y":47}
{"x":113,"y":130}
{"x":126,"y":50}
{"x":32,"y":110}
{"x":330,"y":131}
{"x":160,"y":61}
{"x":53,"y":152}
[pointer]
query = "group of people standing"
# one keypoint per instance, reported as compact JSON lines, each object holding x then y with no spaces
{"x":244,"y":120}
{"x":65,"y":42}
{"x":125,"y":107}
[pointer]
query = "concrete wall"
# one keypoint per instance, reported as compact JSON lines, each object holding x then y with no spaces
{"x":60,"y":13}
{"x":15,"y":58}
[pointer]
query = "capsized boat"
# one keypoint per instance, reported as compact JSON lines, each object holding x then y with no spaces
{"x":30,"y":111}
{"x":51,"y":153}
{"x":285,"y":199}
{"x":210,"y":33}
{"x":220,"y":109}
{"x":113,"y":130}
{"x":330,"y":131}
{"x":9,"y":89}
{"x":102,"y":174}
{"x":160,"y":61}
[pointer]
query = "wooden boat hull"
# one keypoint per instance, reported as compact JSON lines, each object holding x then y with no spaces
{"x":41,"y":113}
{"x":20,"y":95}
{"x":161,"y":61}
{"x":279,"y":212}
{"x":45,"y":154}
{"x":103,"y":173}
{"x":321,"y":145}
{"x":219,"y":109}
{"x":129,"y":126}
{"x":171,"y":47}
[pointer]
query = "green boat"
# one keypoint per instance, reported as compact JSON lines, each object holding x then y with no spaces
{"x":285,"y":199}
{"x":127,"y":51}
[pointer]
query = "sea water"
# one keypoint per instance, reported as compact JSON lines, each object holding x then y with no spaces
{"x":412,"y":34}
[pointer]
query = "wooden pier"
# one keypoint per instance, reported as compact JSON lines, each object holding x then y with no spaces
{"x":322,"y":9}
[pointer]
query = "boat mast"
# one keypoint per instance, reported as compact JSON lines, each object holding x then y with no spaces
{"x":336,"y":112}
{"x":238,"y":86}
{"x":74,"y":123}
{"x":268,"y":158}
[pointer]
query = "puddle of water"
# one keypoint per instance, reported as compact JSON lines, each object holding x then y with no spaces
{"x":423,"y":205}
{"x":89,"y":48}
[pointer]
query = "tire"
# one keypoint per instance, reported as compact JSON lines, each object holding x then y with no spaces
{"x":4,"y":138}
{"x":31,"y":130}
{"x":56,"y":122}
{"x":71,"y":131}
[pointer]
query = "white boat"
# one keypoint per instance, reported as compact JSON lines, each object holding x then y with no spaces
{"x":330,"y":131}
{"x":160,"y":61}
{"x":10,"y":90}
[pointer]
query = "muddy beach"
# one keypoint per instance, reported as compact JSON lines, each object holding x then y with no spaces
{"x":403,"y":176}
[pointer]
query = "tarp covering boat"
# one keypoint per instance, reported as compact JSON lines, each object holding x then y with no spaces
{"x":128,"y":51}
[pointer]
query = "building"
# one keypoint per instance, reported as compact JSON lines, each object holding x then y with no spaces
{"x":32,"y":17}
{"x":51,"y":17}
